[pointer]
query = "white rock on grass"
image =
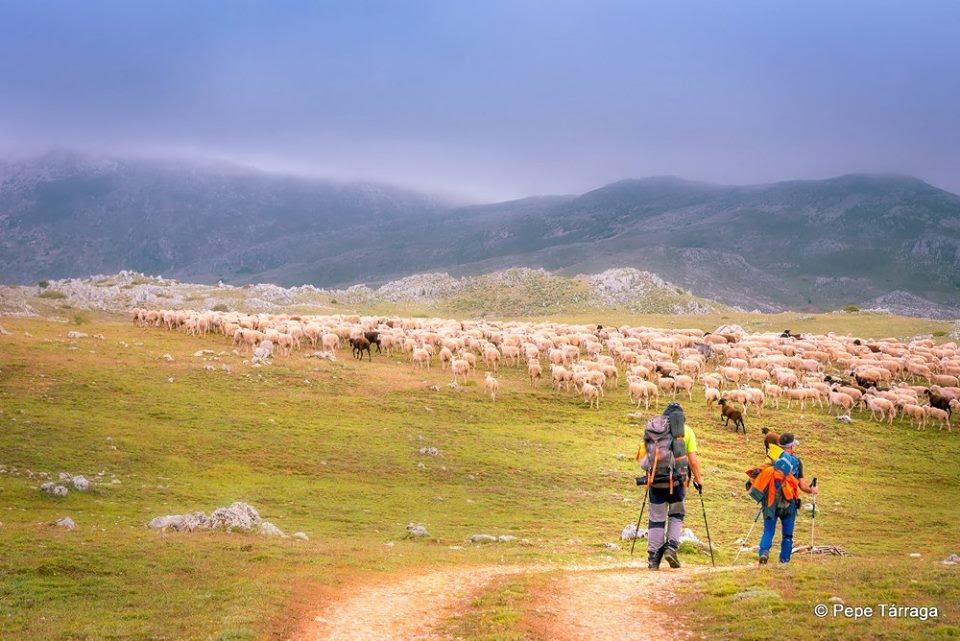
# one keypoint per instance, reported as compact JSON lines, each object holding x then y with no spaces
{"x":483,"y":538}
{"x":915,"y":555}
{"x":53,"y":489}
{"x":239,"y":517}
{"x":630,"y":532}
{"x":611,"y":546}
{"x":80,"y":483}
{"x":416,"y":530}
{"x":269,"y":529}
{"x":65,"y":522}
{"x":167,"y":357}
{"x":687,"y":536}
{"x":429,"y":451}
{"x":506,"y":538}
{"x":76,"y":335}
{"x":180,"y":522}
{"x":302,"y":536}
{"x":953,"y":559}
{"x":263,"y":352}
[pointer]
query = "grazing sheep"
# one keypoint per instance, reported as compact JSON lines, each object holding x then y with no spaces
{"x":562,"y":377}
{"x":491,"y":357}
{"x":937,"y":414}
{"x":360,"y":345}
{"x":591,"y":394}
{"x":684,"y":383}
{"x":917,"y":414}
{"x":534,"y":371}
{"x":841,"y":401}
{"x":774,"y":392}
{"x":641,"y":389}
{"x":729,"y":413}
{"x":459,"y":367}
{"x":420,"y":358}
{"x":882,"y":406}
{"x":445,"y":357}
{"x":938,"y":401}
{"x":491,"y":385}
{"x":712,"y":394}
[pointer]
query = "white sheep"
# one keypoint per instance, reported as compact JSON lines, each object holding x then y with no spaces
{"x":491,"y":385}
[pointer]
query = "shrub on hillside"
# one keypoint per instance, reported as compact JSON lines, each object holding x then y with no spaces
{"x":220,"y":307}
{"x":52,"y":293}
{"x":851,"y":309}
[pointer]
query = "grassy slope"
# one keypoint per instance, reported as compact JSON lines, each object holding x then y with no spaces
{"x":337,"y":458}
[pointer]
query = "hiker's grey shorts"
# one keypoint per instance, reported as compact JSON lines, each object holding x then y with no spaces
{"x":666,"y":517}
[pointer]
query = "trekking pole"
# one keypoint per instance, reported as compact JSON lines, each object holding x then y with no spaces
{"x":747,"y":537}
{"x":636,"y":531}
{"x":707,"y":526}
{"x":813,"y":515}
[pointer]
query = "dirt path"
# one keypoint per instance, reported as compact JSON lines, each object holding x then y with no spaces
{"x":610,"y":605}
{"x":579,"y":603}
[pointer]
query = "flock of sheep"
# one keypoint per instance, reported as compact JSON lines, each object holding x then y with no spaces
{"x":738,"y":371}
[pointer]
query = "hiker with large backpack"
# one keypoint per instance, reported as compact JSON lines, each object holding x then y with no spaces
{"x":668,"y":456}
{"x":777,"y":486}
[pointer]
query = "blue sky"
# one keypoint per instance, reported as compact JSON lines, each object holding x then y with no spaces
{"x":493,"y":100}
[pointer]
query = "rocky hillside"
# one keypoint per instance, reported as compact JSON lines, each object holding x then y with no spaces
{"x":511,"y":293}
{"x":870,"y":241}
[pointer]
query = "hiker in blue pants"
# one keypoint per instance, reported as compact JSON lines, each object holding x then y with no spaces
{"x":785,"y":509}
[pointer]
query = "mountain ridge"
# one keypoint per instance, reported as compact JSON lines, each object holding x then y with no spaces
{"x":767,"y":246}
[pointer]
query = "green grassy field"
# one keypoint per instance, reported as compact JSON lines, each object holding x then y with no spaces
{"x":332,"y":449}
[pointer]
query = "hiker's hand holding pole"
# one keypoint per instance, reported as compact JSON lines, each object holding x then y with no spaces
{"x":699,"y":486}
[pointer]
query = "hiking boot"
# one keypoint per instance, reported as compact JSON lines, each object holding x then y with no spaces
{"x":671,"y":556}
{"x":653,"y":564}
{"x":764,"y":558}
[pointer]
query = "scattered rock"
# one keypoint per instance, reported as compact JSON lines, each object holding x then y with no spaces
{"x":953,"y":559}
{"x":53,"y":489}
{"x":630,"y":532}
{"x":506,"y":538}
{"x":915,"y":555}
{"x":611,"y":546}
{"x":844,"y":418}
{"x":454,"y":385}
{"x":263,"y":352}
{"x":65,"y":522}
{"x":483,"y":538}
{"x":269,"y":529}
{"x":80,"y":483}
{"x":170,"y":380}
{"x":239,"y":517}
{"x":687,"y":536}
{"x":203,"y":352}
{"x":433,"y":388}
{"x":325,"y":355}
{"x":167,"y":357}
{"x":429,"y":451}
{"x":301,"y":536}
{"x":76,"y":335}
{"x":835,"y":599}
{"x":417,"y":530}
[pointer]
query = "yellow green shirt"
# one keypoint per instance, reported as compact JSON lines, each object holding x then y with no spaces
{"x":689,"y":439}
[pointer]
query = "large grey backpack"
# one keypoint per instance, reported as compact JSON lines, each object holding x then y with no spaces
{"x":665,"y":460}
